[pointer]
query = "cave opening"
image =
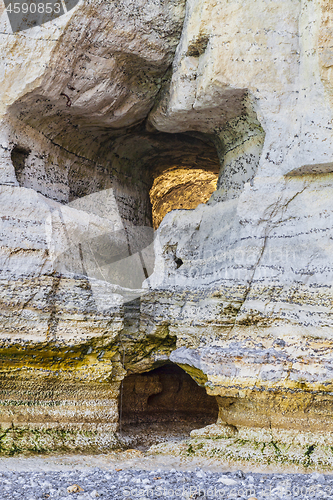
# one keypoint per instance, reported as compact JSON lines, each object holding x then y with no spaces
{"x":149,"y":173}
{"x":163,"y":404}
{"x":180,"y":188}
{"x":19,"y":157}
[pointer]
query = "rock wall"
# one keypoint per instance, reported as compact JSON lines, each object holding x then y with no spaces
{"x":251,"y":303}
{"x":238,"y":291}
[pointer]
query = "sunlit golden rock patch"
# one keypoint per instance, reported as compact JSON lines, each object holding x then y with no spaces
{"x":180,"y":188}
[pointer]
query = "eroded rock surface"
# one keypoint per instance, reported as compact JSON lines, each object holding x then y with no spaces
{"x":98,"y":105}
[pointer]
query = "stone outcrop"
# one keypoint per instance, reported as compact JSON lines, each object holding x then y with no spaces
{"x":101,"y":110}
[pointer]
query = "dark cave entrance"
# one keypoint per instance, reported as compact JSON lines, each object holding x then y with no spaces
{"x":162,"y":405}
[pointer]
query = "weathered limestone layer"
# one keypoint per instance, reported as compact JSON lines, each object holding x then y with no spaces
{"x":95,"y":106}
{"x":76,"y":168}
{"x":251,"y":302}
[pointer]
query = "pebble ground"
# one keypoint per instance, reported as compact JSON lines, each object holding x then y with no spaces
{"x":134,"y":484}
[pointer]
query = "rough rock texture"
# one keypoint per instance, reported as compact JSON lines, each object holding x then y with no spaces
{"x":76,"y":169}
{"x":180,"y":188}
{"x":251,"y":304}
{"x":95,"y":106}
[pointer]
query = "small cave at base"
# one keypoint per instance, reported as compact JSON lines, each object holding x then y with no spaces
{"x":165,"y":404}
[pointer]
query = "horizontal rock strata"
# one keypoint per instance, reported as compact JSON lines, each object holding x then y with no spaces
{"x":110,"y":109}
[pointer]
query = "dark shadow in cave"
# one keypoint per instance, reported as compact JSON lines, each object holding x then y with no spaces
{"x":19,"y":157}
{"x":162,"y":405}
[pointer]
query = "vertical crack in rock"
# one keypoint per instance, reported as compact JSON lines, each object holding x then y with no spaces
{"x":273,"y":220}
{"x":19,"y":157}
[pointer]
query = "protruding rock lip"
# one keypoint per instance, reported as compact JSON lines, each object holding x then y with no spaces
{"x":277,"y":369}
{"x":186,"y":357}
{"x":27,"y":14}
{"x":313,"y":169}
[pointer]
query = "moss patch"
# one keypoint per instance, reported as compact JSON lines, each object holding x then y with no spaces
{"x":15,"y":440}
{"x":242,"y":451}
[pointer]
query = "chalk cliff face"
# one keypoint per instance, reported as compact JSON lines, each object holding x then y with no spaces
{"x":111,"y":117}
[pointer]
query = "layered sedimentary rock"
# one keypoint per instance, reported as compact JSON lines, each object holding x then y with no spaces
{"x":98,"y":107}
{"x":258,"y":323}
{"x":74,"y":94}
